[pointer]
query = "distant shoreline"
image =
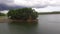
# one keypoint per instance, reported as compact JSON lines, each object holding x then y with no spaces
{"x":49,"y":13}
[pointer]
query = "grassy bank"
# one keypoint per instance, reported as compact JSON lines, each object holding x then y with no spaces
{"x":3,"y":19}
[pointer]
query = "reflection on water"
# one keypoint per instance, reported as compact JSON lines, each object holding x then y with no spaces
{"x":22,"y":28}
{"x":18,"y":28}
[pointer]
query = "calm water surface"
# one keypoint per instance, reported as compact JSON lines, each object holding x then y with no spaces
{"x":47,"y":24}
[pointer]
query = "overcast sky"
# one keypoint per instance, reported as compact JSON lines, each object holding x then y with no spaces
{"x":38,"y":5}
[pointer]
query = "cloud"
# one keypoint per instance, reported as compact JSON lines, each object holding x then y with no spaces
{"x":26,"y":3}
{"x":32,"y":3}
{"x":6,"y":7}
{"x":37,"y":3}
{"x":12,"y":4}
{"x":48,"y":9}
{"x":8,"y":4}
{"x":4,"y":11}
{"x":41,"y":5}
{"x":54,"y":2}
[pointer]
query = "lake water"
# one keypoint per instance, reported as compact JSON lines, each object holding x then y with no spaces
{"x":47,"y":24}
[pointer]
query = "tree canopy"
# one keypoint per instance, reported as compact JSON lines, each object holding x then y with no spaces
{"x":23,"y":13}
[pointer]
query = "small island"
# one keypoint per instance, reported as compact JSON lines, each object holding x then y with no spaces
{"x":23,"y":14}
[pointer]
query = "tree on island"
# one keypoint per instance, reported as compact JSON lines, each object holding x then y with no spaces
{"x":22,"y":14}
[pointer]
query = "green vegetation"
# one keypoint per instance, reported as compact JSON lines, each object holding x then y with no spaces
{"x":2,"y":14}
{"x":23,"y":14}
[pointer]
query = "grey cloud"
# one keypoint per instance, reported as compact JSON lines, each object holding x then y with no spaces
{"x":6,"y":7}
{"x":9,"y":4}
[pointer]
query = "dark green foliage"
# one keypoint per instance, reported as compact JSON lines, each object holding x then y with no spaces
{"x":2,"y":14}
{"x":23,"y":13}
